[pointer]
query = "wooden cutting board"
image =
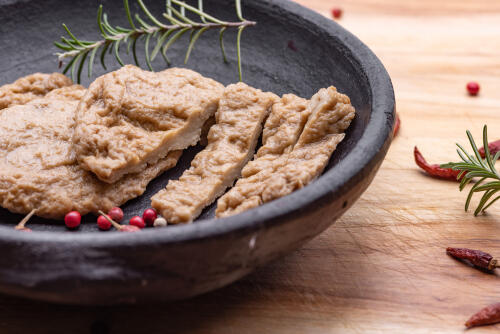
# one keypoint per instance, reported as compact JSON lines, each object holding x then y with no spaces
{"x":382,"y":268}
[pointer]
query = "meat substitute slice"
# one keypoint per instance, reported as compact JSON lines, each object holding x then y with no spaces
{"x":231,"y":144}
{"x":31,"y":87}
{"x":130,"y":118}
{"x":330,"y":115}
{"x":281,"y":132}
{"x":38,"y":167}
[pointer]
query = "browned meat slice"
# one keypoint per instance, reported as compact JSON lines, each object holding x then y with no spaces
{"x":279,"y":175}
{"x":130,"y":118}
{"x":38,"y":167}
{"x":31,"y":87}
{"x":231,"y":144}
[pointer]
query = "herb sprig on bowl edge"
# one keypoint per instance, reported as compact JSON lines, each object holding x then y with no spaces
{"x":78,"y":51}
{"x":474,"y":166}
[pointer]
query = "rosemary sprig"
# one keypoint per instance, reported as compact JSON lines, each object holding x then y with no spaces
{"x":473,"y":166}
{"x":166,"y":34}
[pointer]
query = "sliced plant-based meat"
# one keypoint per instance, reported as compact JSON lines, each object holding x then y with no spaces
{"x":231,"y":144}
{"x":331,"y":114}
{"x":38,"y":167}
{"x":31,"y":87}
{"x":130,"y":118}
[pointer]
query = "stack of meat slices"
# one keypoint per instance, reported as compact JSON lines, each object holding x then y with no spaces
{"x":64,"y":147}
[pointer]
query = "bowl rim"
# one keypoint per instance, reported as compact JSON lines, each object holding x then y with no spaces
{"x":347,"y":171}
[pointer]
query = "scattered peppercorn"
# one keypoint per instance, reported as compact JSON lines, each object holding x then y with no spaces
{"x":494,"y":147}
{"x":149,"y":216}
{"x":73,"y":219}
{"x":487,"y":316}
{"x":337,"y":13}
{"x":476,"y":257}
{"x":291,"y":46}
{"x":160,"y":222}
{"x":434,"y":170}
{"x":116,"y":214}
{"x":397,"y":125}
{"x":473,"y":88}
{"x":137,"y":221}
{"x":103,"y":223}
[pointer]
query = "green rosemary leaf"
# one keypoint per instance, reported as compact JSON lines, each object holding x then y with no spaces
{"x":62,"y":46}
{"x":129,"y":15}
{"x":488,"y":186}
{"x":182,"y":17}
{"x":74,"y":67}
{"x":117,"y":53}
{"x":72,"y":36}
{"x":471,"y":193}
{"x":143,"y":24}
{"x":68,"y":66}
{"x":91,"y":61}
{"x":149,"y":15}
{"x":160,"y":43}
{"x":134,"y":51}
{"x":493,"y":201}
{"x":99,"y":22}
{"x":238,"y":50}
{"x":172,"y":40}
{"x":198,"y":12}
{"x":487,"y":195}
{"x":464,"y":182}
{"x":221,"y":42}
{"x":146,"y":47}
{"x":192,"y":42}
{"x":200,"y":8}
{"x":497,"y":156}
{"x":73,"y":46}
{"x":474,"y":148}
{"x":103,"y":54}
{"x":80,"y":67}
{"x":238,"y":10}
{"x":173,"y":20}
{"x":107,"y":26}
{"x":123,"y":30}
{"x":168,"y":5}
{"x":487,"y":154}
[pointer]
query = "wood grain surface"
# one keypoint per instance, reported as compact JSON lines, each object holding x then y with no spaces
{"x":382,"y":268}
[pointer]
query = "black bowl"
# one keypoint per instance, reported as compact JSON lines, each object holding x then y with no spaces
{"x":292,"y":49}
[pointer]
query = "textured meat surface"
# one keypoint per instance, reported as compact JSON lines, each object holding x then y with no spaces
{"x":231,"y":144}
{"x":38,"y":167}
{"x":330,"y":114}
{"x":131,"y":117}
{"x":31,"y":87}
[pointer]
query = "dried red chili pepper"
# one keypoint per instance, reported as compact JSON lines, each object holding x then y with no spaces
{"x":397,"y":125}
{"x":434,"y":170}
{"x":493,"y":146}
{"x":487,"y":316}
{"x":476,"y":257}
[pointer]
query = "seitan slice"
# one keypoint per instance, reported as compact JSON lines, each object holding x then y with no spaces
{"x":330,"y":115}
{"x":130,"y":118}
{"x":38,"y":167}
{"x":231,"y":144}
{"x":31,"y":87}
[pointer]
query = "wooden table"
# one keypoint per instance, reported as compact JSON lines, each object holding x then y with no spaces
{"x":382,"y":268}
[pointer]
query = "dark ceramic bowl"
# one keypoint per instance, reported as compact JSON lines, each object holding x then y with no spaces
{"x":291,"y":49}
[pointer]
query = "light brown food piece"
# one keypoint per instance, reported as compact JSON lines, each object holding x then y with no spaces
{"x":38,"y":167}
{"x":31,"y":87}
{"x":231,"y":144}
{"x":130,"y":118}
{"x":330,"y":115}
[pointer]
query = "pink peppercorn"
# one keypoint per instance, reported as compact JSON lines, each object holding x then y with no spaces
{"x":116,"y":214}
{"x":473,"y":88}
{"x":137,"y":221}
{"x":72,"y":219}
{"x":337,"y":13}
{"x":149,"y":216}
{"x":103,"y":223}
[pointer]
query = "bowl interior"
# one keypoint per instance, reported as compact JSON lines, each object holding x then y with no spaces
{"x":282,"y":54}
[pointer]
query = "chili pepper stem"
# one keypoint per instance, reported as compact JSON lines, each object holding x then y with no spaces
{"x":22,"y":223}
{"x":115,"y":224}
